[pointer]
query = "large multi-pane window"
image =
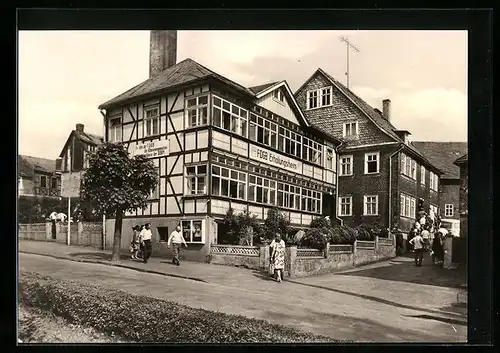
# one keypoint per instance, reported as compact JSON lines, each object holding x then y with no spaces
{"x":408,"y":166}
{"x":289,"y":196}
{"x":192,"y":231}
{"x":345,"y":206}
{"x":115,"y":129}
{"x":151,"y":121}
{"x":228,"y":183}
{"x":262,"y":190}
{"x":330,"y":159}
{"x":408,"y":206}
{"x":434,"y":181}
{"x":319,"y":98}
{"x":370,"y":205}
{"x":196,"y":177}
{"x":311,"y":201}
{"x":229,"y":116}
{"x":197,"y":111}
{"x":346,"y":165}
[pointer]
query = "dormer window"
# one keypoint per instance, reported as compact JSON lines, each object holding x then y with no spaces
{"x":279,"y":96}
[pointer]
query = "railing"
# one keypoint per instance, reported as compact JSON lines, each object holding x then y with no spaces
{"x":235,"y":250}
{"x":385,"y":241}
{"x":310,"y":253}
{"x":47,"y":191}
{"x":363,"y":244}
{"x":340,"y":248}
{"x":33,"y":231}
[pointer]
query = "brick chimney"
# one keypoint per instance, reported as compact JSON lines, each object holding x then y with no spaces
{"x":79,"y":128}
{"x":386,"y":109}
{"x":162,"y":51}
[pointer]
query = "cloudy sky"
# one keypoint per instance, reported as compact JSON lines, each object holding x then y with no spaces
{"x":65,"y":75}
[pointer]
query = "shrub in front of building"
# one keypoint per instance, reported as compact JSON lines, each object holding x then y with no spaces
{"x":343,"y":235}
{"x":315,"y":238}
{"x":145,"y":319}
{"x":37,"y":209}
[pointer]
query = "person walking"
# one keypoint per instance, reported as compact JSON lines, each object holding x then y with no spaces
{"x":418,"y":245}
{"x":176,"y":239}
{"x":437,"y":249}
{"x":135,"y":241}
{"x":278,"y":257}
{"x":145,"y":236}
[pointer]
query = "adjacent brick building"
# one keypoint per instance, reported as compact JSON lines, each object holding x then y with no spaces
{"x":443,"y":155}
{"x":38,"y":177}
{"x":73,"y":160}
{"x":382,"y":177}
{"x":463,"y":163}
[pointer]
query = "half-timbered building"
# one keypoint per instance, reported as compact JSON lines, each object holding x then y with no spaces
{"x":219,"y":145}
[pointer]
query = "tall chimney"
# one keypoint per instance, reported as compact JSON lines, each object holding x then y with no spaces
{"x":162,"y":51}
{"x":79,"y":127}
{"x":386,"y":109}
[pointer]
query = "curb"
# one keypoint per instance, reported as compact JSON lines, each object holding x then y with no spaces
{"x":107,"y":263}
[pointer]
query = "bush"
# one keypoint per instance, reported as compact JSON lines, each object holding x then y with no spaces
{"x":320,"y":222}
{"x":343,"y":235}
{"x":365,"y":232}
{"x":315,"y":239}
{"x":152,"y":320}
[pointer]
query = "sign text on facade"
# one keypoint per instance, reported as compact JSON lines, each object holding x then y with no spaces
{"x":275,"y":159}
{"x":152,"y":149}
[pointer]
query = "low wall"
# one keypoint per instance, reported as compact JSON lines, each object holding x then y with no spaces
{"x":81,"y":233}
{"x":308,"y":262}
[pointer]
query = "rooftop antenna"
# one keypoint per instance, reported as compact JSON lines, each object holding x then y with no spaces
{"x":348,"y":46}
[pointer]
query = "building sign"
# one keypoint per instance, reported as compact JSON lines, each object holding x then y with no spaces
{"x":275,"y":159}
{"x":152,"y":149}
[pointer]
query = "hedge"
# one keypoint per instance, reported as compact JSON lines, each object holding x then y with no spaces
{"x":144,"y":319}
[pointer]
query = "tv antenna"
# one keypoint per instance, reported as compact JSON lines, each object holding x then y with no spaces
{"x":348,"y":46}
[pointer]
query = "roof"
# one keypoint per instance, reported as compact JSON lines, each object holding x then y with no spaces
{"x":182,"y":73}
{"x":83,"y":136}
{"x":462,"y":160}
{"x":371,"y":113}
{"x":260,"y":88}
{"x":443,"y":155}
{"x":27,"y":165}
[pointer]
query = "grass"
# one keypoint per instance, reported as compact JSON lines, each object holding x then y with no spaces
{"x":144,"y":319}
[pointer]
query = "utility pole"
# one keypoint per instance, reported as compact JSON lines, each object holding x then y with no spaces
{"x":348,"y":46}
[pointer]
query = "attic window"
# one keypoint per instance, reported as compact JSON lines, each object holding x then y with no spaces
{"x":319,"y":97}
{"x":278,"y":95}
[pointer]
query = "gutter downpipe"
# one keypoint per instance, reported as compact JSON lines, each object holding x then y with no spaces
{"x":104,"y":215}
{"x":337,"y":185}
{"x":390,"y":185}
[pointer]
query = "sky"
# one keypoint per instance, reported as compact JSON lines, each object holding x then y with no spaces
{"x":63,"y":76}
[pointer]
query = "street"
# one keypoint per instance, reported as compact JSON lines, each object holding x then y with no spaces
{"x":342,"y":306}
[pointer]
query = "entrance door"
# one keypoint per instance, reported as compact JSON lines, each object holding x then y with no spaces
{"x":328,"y":205}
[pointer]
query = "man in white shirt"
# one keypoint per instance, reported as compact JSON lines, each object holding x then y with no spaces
{"x":176,"y":239}
{"x":61,"y":217}
{"x":53,"y":220}
{"x":145,"y":237}
{"x":418,"y":245}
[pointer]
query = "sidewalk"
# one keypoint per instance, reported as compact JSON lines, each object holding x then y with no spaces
{"x":197,"y":271}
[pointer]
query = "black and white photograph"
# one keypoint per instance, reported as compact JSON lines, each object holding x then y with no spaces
{"x":242,"y":186}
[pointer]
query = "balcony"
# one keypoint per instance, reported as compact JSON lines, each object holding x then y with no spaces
{"x":39,"y":191}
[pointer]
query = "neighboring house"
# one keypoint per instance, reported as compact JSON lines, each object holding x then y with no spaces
{"x":218,"y":144}
{"x":382,"y":177}
{"x":443,"y":155}
{"x":38,"y":177}
{"x":73,"y":159}
{"x":463,"y":164}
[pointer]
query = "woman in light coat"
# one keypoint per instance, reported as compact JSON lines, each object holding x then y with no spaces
{"x":278,"y":257}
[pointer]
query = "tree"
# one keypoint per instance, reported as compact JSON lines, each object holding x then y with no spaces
{"x":276,"y":222}
{"x":115,"y":183}
{"x":239,"y":228}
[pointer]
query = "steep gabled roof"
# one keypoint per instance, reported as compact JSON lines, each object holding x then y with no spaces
{"x":371,"y":113}
{"x":260,"y":88}
{"x":182,"y":73}
{"x":27,"y":165}
{"x":83,"y":136}
{"x":443,"y":155}
{"x":462,"y":160}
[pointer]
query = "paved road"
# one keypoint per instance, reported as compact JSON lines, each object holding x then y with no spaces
{"x":360,"y":309}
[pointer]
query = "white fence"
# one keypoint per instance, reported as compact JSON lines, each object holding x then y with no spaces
{"x":235,"y":250}
{"x":363,"y":244}
{"x":310,"y":253}
{"x":340,"y":248}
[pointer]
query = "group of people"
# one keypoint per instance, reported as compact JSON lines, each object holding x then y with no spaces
{"x":141,"y":246}
{"x":420,"y":241}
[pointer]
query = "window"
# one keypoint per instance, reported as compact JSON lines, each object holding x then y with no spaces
{"x":422,"y":175}
{"x":345,"y":206}
{"x":162,"y":234}
{"x":413,"y":169}
{"x":261,"y":190}
{"x":151,"y":121}
{"x":278,"y":95}
{"x":371,"y":163}
{"x":408,"y":167}
{"x":54,"y":183}
{"x":350,"y":129}
{"x":434,"y":181}
{"x":155,"y":193}
{"x":196,"y":179}
{"x":330,"y":156}
{"x":197,"y":111}
{"x":448,"y":210}
{"x":346,"y":165}
{"x":434,"y":209}
{"x":228,"y":183}
{"x":192,"y":231}
{"x":370,"y":205}
{"x":326,"y":96}
{"x":115,"y":129}
{"x":311,"y":201}
{"x":319,"y":98}
{"x":289,"y":196}
{"x":312,"y":99}
{"x":43,"y":181}
{"x":408,"y":206}
{"x":230,"y":117}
